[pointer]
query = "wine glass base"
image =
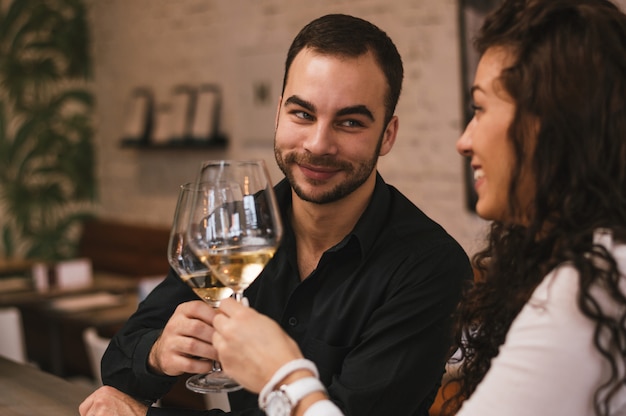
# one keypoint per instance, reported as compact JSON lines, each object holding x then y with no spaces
{"x":215,"y":382}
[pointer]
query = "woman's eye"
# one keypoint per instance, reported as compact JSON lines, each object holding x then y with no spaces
{"x":475,"y":108}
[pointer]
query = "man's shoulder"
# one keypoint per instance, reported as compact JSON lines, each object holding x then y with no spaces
{"x":403,"y":212}
{"x":410,"y":226}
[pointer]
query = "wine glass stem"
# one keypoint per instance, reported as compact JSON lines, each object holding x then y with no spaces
{"x":238,"y":295}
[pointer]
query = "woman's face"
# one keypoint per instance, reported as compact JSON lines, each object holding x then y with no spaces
{"x":485,"y":139}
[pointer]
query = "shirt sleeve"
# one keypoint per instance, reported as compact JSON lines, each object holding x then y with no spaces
{"x":548,"y":364}
{"x":124,"y":364}
{"x":398,"y":363}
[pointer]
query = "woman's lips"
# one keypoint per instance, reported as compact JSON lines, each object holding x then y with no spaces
{"x":479,"y":175}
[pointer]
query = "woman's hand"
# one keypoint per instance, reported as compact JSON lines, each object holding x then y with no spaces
{"x":250,"y":346}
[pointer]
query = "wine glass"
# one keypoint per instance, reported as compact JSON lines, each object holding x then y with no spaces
{"x":235,"y":225}
{"x":199,"y":277}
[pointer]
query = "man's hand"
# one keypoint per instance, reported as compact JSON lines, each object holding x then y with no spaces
{"x":185,"y":343}
{"x":108,"y":401}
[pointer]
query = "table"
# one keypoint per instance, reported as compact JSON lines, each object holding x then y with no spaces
{"x":28,"y":391}
{"x":54,"y":336}
{"x":64,"y":328}
{"x":53,"y":333}
{"x":17,"y":296}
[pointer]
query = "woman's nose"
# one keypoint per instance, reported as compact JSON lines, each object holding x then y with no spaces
{"x":464,"y":143}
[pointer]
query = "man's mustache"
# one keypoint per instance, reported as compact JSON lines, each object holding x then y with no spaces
{"x":318,"y":161}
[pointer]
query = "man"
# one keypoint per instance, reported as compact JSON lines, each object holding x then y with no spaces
{"x":363,"y":280}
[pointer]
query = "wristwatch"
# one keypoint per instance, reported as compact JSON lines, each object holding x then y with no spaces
{"x":281,"y":402}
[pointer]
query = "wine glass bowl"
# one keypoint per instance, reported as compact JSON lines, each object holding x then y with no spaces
{"x":198,"y":276}
{"x":235,"y":225}
{"x":181,"y":258}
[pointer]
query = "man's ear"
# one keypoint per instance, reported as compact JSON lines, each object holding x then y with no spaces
{"x":389,"y":136}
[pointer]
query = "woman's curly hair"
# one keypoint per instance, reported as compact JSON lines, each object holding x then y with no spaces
{"x":568,"y":78}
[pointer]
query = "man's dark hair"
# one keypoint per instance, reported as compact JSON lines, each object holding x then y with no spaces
{"x":343,"y":35}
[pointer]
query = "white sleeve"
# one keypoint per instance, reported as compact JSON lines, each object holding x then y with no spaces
{"x":323,"y":408}
{"x":548,"y":364}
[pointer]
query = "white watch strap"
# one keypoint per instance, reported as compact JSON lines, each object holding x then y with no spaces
{"x":301,"y":388}
{"x":281,"y":373}
{"x":323,"y":408}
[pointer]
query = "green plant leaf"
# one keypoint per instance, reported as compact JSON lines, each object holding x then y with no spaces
{"x":47,"y":157}
{"x":68,"y":96}
{"x":15,"y":11}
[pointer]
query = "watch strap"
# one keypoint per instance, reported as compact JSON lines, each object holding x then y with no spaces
{"x":300,"y":388}
{"x":323,"y":407}
{"x":284,"y":371}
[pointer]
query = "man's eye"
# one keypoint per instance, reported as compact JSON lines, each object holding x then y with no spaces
{"x":303,"y":115}
{"x":351,"y":123}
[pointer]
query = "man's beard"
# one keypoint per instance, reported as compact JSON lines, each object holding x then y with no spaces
{"x":356,"y":175}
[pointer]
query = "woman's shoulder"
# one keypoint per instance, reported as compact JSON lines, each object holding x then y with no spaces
{"x":564,"y":280}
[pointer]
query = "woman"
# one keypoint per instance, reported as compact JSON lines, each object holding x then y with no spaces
{"x":544,"y":330}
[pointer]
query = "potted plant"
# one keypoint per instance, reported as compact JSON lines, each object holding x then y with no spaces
{"x":47,"y":175}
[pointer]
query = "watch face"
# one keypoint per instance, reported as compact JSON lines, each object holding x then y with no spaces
{"x":278,"y":404}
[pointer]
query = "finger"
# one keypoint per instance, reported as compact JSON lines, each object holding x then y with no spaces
{"x":229,"y":306}
{"x":198,"y":365}
{"x":218,"y":343}
{"x":197,"y":329}
{"x":197,"y":309}
{"x":178,"y":364}
{"x":225,"y":325}
{"x":84,"y":407}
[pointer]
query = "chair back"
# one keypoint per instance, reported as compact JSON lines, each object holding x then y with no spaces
{"x":95,"y":346}
{"x":12,"y":344}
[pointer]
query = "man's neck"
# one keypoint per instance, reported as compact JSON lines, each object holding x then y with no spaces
{"x":318,"y":227}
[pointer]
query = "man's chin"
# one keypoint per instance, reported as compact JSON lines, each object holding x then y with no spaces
{"x":317,"y":195}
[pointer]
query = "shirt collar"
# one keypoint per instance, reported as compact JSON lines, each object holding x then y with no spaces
{"x":374,"y":217}
{"x":366,"y":229}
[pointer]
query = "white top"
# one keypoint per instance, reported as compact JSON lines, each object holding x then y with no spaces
{"x":548,"y":364}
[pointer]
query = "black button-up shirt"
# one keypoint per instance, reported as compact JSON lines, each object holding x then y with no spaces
{"x":374,"y":315}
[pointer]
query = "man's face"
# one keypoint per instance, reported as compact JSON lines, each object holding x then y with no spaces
{"x":329,"y":125}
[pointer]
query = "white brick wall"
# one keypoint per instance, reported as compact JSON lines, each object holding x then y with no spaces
{"x":161,"y":43}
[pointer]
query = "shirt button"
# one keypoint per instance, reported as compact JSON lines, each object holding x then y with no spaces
{"x":293,"y":321}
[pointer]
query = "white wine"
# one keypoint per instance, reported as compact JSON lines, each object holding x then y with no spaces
{"x":207,"y":287}
{"x":238,"y":269}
